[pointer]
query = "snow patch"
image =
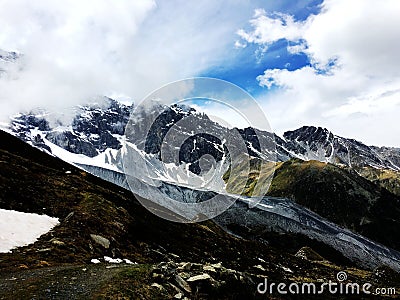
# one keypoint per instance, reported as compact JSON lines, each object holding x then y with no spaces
{"x":112,"y":260}
{"x":19,"y":229}
{"x":99,"y":160}
{"x":95,"y":261}
{"x":129,"y":262}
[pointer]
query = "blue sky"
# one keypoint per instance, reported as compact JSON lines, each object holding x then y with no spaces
{"x":247,"y":63}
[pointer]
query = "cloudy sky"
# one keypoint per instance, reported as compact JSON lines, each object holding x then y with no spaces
{"x":332,"y":63}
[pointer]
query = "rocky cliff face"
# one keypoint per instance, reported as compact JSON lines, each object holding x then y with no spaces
{"x":94,"y":129}
{"x":316,"y":143}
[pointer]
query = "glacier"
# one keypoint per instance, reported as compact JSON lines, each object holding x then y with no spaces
{"x":275,"y":214}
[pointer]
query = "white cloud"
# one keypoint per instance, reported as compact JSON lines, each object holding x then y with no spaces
{"x":76,"y":50}
{"x":269,"y":29}
{"x":70,"y":49}
{"x":296,"y":49}
{"x":241,"y":114}
{"x":359,"y":95}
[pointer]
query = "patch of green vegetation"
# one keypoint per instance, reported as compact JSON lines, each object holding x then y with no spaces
{"x":136,"y":272}
{"x":131,"y":283}
{"x":249,"y":177}
{"x":388,"y":179}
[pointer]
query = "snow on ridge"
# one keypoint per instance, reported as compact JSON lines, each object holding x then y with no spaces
{"x":73,"y":158}
{"x":5,"y":127}
{"x":19,"y":229}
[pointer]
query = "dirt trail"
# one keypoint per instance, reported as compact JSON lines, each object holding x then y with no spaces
{"x":68,"y":282}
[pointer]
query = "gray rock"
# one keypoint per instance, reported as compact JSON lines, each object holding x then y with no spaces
{"x":201,"y":277}
{"x":210,"y":269}
{"x":72,"y":143}
{"x":183,"y":284}
{"x":178,"y":296}
{"x":158,"y":286}
{"x":157,"y":277}
{"x":100,"y":240}
{"x":184,"y":266}
{"x":217,"y":265}
{"x":57,"y":242}
{"x":184,"y":275}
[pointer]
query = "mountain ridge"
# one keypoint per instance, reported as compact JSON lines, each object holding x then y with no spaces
{"x":96,"y":129}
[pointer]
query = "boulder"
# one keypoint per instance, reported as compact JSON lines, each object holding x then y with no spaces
{"x":102,"y":241}
{"x":201,"y":277}
{"x":158,"y":286}
{"x":210,"y":269}
{"x":182,"y":284}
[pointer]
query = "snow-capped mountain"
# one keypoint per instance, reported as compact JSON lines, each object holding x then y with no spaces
{"x":309,"y":142}
{"x":93,"y":137}
{"x":96,"y":132}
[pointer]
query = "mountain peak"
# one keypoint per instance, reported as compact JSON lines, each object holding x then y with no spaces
{"x":308,"y":133}
{"x":8,"y":56}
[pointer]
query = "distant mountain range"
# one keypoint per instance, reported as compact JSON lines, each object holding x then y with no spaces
{"x":98,"y":128}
